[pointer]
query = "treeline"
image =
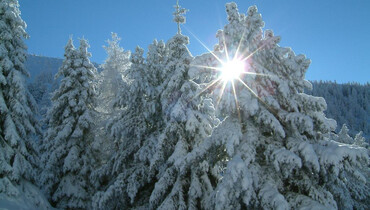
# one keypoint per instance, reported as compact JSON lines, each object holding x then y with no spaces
{"x":348,"y":104}
{"x":172,"y":131}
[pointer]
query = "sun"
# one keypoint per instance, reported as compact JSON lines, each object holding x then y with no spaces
{"x":232,"y":70}
{"x":234,"y":67}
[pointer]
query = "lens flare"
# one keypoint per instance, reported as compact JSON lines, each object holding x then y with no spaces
{"x":232,"y":70}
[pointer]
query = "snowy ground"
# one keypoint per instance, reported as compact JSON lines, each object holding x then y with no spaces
{"x":29,"y":198}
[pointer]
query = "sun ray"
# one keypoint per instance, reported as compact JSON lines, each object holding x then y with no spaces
{"x":259,"y":98}
{"x":254,"y":52}
{"x":240,"y":43}
{"x":268,"y":107}
{"x":250,"y":89}
{"x":254,"y":73}
{"x":214,"y":55}
{"x":261,"y":66}
{"x":221,"y":94}
{"x":237,"y":57}
{"x":206,"y":88}
{"x":208,"y":67}
{"x":236,"y":100}
{"x":258,"y":49}
{"x":225,"y":46}
{"x":265,"y":69}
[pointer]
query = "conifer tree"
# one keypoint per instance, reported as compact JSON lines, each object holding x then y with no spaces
{"x":155,"y":59}
{"x":124,"y":176}
{"x":275,"y":137}
{"x":18,"y":125}
{"x":132,"y":123}
{"x":112,"y":76}
{"x":111,"y":83}
{"x":68,"y":159}
{"x":343,"y":136}
{"x":360,"y":140}
{"x":155,"y":64}
{"x":188,"y":120}
{"x":140,"y":126}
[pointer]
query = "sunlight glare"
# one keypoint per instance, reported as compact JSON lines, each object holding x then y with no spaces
{"x":232,"y":66}
{"x":232,"y":70}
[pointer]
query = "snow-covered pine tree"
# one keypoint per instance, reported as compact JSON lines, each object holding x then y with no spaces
{"x":157,"y":53}
{"x":188,"y":120}
{"x":360,"y":140}
{"x":351,"y":188}
{"x":18,"y":125}
{"x":155,"y":64}
{"x":278,"y":155}
{"x":131,"y":126}
{"x":111,"y":81}
{"x":67,"y":159}
{"x":125,"y":176}
{"x":114,"y":67}
{"x":343,"y":136}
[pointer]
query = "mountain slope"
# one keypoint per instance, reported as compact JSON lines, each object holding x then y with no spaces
{"x":38,"y":64}
{"x":348,"y":104}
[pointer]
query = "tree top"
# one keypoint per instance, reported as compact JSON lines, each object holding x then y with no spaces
{"x":179,"y":17}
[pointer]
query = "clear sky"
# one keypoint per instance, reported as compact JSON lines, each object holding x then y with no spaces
{"x":334,"y":34}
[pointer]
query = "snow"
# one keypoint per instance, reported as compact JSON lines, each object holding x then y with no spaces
{"x":27,"y":197}
{"x":162,"y":132}
{"x":67,"y":157}
{"x":271,"y":198}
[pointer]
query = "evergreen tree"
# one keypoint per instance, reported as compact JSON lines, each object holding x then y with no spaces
{"x":343,"y":136}
{"x":155,"y":64}
{"x":188,"y":120}
{"x":278,"y":154}
{"x":114,"y":68}
{"x":111,"y":82}
{"x":132,"y":125}
{"x":360,"y":140}
{"x":123,"y":176}
{"x":67,"y":158}
{"x":18,"y":125}
{"x":136,"y":132}
{"x":155,"y":59}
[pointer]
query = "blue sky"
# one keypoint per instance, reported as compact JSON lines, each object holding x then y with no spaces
{"x":334,"y":34}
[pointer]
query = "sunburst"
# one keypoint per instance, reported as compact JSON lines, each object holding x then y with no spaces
{"x":232,"y":69}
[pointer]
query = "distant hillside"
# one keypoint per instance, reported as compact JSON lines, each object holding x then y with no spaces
{"x":40,"y":64}
{"x":347,"y":103}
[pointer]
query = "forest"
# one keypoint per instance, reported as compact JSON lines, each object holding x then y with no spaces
{"x":233,"y":128}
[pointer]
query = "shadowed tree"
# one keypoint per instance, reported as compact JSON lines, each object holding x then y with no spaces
{"x":18,"y":125}
{"x":68,"y":160}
